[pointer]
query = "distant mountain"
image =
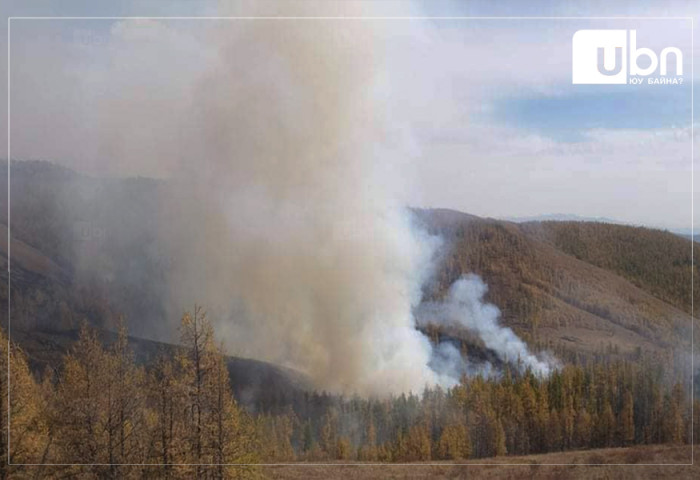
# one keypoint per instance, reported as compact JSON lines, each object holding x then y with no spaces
{"x":688,"y":236}
{"x":580,"y":288}
{"x":568,"y":217}
{"x":561,"y":217}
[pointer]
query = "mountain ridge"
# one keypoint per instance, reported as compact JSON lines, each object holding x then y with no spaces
{"x":576,"y":288}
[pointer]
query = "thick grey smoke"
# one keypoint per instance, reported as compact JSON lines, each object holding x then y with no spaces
{"x":465,"y":308}
{"x":287,"y":220}
{"x":286,"y":177}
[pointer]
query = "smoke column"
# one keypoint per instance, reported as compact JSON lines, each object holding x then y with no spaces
{"x":284,"y":212}
{"x":286,"y":219}
{"x":286,"y":174}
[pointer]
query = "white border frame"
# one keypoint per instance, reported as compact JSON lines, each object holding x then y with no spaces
{"x":692,"y":239}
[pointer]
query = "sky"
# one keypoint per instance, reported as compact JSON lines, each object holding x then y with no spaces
{"x":484,"y":110}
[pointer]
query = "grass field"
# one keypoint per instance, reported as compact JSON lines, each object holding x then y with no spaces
{"x":546,"y":466}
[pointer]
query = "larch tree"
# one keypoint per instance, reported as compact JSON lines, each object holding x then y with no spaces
{"x":81,"y":402}
{"x":166,"y":395}
{"x":26,"y":419}
{"x":218,"y":433}
{"x":626,"y":421}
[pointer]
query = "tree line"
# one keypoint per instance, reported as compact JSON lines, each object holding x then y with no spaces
{"x":578,"y":407}
{"x":177,"y":417}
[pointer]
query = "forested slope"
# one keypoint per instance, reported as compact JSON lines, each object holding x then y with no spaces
{"x":580,"y":289}
{"x":654,"y":260}
{"x":584,"y":305}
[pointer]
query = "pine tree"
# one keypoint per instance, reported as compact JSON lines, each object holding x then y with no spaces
{"x":626,"y":421}
{"x":554,"y":432}
{"x":418,"y":446}
{"x":166,"y":395}
{"x":583,"y":429}
{"x":125,"y":386}
{"x":454,"y":443}
{"x":329,"y":441}
{"x":81,"y":404}
{"x":308,"y":439}
{"x":606,"y":426}
{"x":196,"y":363}
{"x":217,"y":431}
{"x":29,"y":433}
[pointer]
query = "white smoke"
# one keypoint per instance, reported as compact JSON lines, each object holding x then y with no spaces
{"x":284,"y":215}
{"x":286,"y":166}
{"x":449,"y":363}
{"x":465,"y":308}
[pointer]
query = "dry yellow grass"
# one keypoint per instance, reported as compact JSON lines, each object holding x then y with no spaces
{"x":546,"y":466}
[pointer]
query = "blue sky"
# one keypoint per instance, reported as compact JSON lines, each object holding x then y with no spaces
{"x":567,"y":116}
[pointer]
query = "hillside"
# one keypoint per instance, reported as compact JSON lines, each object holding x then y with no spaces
{"x":53,"y":212}
{"x":255,"y":384}
{"x":42,"y":293}
{"x":577,"y":286}
{"x":581,"y":289}
{"x":605,"y":300}
{"x":99,"y":234}
{"x":654,"y":260}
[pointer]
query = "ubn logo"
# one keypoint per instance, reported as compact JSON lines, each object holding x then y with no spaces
{"x":601,"y":57}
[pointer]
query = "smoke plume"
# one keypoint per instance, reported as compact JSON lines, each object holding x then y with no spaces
{"x":282,"y":209}
{"x":287,"y":221}
{"x":465,"y":308}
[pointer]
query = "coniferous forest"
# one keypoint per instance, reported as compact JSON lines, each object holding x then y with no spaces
{"x":87,"y":388}
{"x":309,"y":240}
{"x":177,"y":417}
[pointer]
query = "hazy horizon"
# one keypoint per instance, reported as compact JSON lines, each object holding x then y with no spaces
{"x":541,"y":216}
{"x":490,"y":123}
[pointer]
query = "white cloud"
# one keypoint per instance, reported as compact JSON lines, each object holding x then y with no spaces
{"x":635,"y":176}
{"x":440,"y":80}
